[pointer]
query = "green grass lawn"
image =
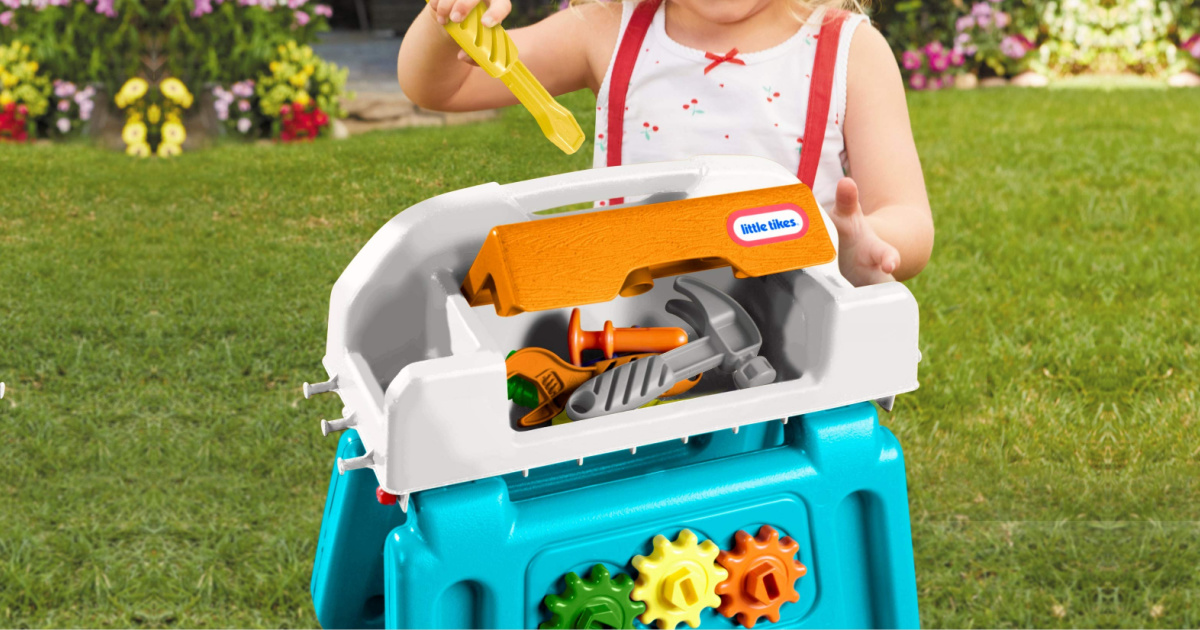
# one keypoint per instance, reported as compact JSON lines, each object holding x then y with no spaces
{"x":158,"y":466}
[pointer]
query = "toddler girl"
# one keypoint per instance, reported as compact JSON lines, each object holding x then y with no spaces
{"x":806,"y":83}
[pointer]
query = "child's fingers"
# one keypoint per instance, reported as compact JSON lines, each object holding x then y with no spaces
{"x":465,"y":58}
{"x":439,"y":9}
{"x":461,"y":8}
{"x":846,"y":203}
{"x":497,"y":11}
{"x":884,"y":257}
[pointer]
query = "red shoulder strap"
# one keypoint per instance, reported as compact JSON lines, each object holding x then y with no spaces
{"x":618,"y":85}
{"x":820,"y":94}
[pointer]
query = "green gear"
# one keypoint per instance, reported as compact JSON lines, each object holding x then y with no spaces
{"x":597,"y":602}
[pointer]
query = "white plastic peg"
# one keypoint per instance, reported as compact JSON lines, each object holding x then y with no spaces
{"x":333,"y":426}
{"x":355,"y":463}
{"x":1,"y":390}
{"x":312,"y":389}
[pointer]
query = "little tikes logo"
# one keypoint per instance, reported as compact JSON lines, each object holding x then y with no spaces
{"x":767,"y":224}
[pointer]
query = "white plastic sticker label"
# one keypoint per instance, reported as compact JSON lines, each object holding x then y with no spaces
{"x":767,"y":224}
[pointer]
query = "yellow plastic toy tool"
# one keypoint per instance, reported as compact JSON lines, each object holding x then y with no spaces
{"x":495,"y":52}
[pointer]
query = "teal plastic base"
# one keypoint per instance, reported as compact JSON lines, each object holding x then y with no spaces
{"x":485,"y":553}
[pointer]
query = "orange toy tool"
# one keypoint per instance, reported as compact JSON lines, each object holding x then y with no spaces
{"x":613,"y":340}
{"x":555,"y":379}
{"x":623,"y":250}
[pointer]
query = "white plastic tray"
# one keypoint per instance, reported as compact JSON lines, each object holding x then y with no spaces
{"x":422,"y":374}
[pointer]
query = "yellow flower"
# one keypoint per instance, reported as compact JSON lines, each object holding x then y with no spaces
{"x":173,"y":133}
{"x":309,"y":69}
{"x":134,"y":133}
{"x":7,"y":79}
{"x":154,"y":114}
{"x":175,"y":90}
{"x":301,"y":98}
{"x":133,"y":89}
{"x":298,"y":79}
{"x":32,"y":66}
{"x":274,"y":66}
{"x":6,"y":98}
{"x":169,"y":149}
{"x":140,"y":149}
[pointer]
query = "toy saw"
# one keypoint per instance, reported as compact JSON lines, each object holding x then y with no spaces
{"x":495,"y":52}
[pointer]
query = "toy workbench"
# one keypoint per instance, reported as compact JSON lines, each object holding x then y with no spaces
{"x":641,"y":415}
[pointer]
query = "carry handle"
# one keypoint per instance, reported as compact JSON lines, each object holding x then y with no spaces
{"x":544,"y":193}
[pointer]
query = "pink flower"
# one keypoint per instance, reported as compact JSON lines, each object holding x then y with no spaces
{"x":64,"y":89}
{"x":939,"y":63}
{"x":301,"y":18}
{"x":85,"y":110}
{"x":980,"y":9}
{"x":12,"y":4}
{"x":296,"y":4}
{"x":202,"y":7}
{"x":244,"y":89}
{"x":911,"y":59}
{"x":917,"y":81}
{"x":956,"y":57}
{"x":6,"y":18}
{"x":1192,"y":45}
{"x":963,"y":23}
{"x":934,"y":48}
{"x":243,"y":125}
{"x":1013,"y":47}
{"x":323,"y":10}
{"x":106,"y":8}
{"x":244,"y":105}
{"x":1002,"y":19}
{"x":64,"y":105}
{"x":63,"y":124}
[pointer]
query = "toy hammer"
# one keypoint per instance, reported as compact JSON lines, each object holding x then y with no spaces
{"x":613,"y":340}
{"x":729,"y":340}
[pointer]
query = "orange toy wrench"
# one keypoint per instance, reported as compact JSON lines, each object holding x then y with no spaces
{"x":556,"y":379}
{"x":613,"y":340}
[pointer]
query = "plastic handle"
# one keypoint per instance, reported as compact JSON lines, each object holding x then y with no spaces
{"x":496,"y":54}
{"x":631,"y":180}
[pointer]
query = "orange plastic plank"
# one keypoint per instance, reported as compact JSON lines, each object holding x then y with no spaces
{"x":594,"y":257}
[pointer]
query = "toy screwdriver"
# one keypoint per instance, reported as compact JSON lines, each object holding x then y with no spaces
{"x":495,"y":52}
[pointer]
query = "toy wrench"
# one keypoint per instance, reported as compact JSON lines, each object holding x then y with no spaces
{"x":495,"y":52}
{"x":555,"y":379}
{"x":729,"y":340}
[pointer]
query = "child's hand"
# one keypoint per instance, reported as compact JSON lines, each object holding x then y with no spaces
{"x":456,"y":10}
{"x":863,"y":257}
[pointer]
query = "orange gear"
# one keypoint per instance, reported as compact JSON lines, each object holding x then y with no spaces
{"x":762,"y":576}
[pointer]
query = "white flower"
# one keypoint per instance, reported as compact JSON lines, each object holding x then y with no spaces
{"x":64,"y":124}
{"x":243,"y":125}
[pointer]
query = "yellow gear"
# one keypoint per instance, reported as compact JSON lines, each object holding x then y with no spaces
{"x":678,"y":580}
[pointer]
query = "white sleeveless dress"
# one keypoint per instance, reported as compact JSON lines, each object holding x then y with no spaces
{"x":745,"y":104}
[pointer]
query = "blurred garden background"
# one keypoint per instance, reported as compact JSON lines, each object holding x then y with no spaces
{"x":159,"y":466}
{"x":162,"y":76}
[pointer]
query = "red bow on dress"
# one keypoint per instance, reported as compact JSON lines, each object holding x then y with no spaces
{"x":717,"y":60}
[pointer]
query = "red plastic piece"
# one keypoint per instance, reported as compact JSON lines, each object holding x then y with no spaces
{"x":384,"y":497}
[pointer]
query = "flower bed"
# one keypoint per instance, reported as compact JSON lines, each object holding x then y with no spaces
{"x":940,"y":40}
{"x":251,"y":55}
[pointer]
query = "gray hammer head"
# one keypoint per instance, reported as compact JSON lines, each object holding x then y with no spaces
{"x":729,"y":328}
